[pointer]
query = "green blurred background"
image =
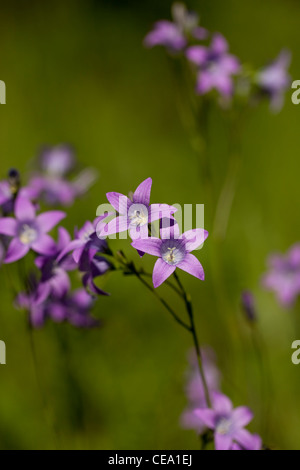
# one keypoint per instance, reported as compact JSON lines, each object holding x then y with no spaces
{"x":76,"y":71}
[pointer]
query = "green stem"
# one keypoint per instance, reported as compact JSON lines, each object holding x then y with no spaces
{"x":189,"y":308}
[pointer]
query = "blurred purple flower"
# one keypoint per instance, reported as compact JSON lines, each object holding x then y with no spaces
{"x":274,"y":80}
{"x":135,"y":214}
{"x":228,"y":423}
{"x":174,"y":35}
{"x":73,"y":307}
{"x":194,"y":387}
{"x":54,"y":270}
{"x":215,"y":66}
{"x":28,"y":230}
{"x":284,"y":276}
{"x":173,"y":251}
{"x":52,"y":184}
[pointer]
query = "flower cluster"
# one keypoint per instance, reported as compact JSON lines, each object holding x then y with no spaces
{"x":172,"y":249}
{"x":47,"y":286}
{"x":215,"y":68}
{"x":226,"y":422}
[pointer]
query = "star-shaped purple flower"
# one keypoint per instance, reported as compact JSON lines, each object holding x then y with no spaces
{"x":28,"y":230}
{"x":136,"y":214}
{"x":215,"y":66}
{"x":173,"y":251}
{"x":228,"y":423}
{"x":284,"y":276}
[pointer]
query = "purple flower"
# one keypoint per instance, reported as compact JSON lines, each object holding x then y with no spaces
{"x":72,"y":307}
{"x":274,"y":79}
{"x":228,"y":424}
{"x":174,"y":35}
{"x":173,"y":251}
{"x":136,"y":214}
{"x":29,"y":231}
{"x":87,"y":240}
{"x":194,"y":388}
{"x":51,"y":182}
{"x":92,"y":266}
{"x":57,"y":161}
{"x":284,"y":276}
{"x":215,"y":66}
{"x":168,"y":34}
{"x":34,"y":303}
{"x":54,"y":269}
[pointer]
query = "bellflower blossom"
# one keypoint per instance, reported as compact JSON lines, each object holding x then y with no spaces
{"x":87,"y":240}
{"x":174,"y":35}
{"x":283,"y":276}
{"x":215,"y":66}
{"x":136,"y":214}
{"x":273,"y":80}
{"x":28,"y":230}
{"x":228,"y":424}
{"x":173,"y":251}
{"x":52,"y":183}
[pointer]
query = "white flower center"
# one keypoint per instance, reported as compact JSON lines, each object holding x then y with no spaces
{"x":223,"y":426}
{"x":27,"y":234}
{"x":172,"y":252}
{"x":138,"y":215}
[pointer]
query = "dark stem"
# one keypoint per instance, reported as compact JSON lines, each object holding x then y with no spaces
{"x":189,"y":308}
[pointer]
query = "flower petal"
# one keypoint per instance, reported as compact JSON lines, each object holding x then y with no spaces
{"x":222,"y":442}
{"x":44,"y":245}
{"x":159,"y":211}
{"x":161,"y":272}
{"x":169,"y":228}
{"x":148,"y":245}
{"x":138,"y":233}
{"x":194,"y":238}
{"x":16,"y":251}
{"x":24,"y":209}
{"x":48,"y":220}
{"x":197,"y":54}
{"x":192,"y":265}
{"x":219,"y":44}
{"x":207,"y":416}
{"x":119,"y":202}
{"x":8,"y":226}
{"x":118,"y":224}
{"x":63,"y":238}
{"x":142,"y":193}
{"x":241,"y":416}
{"x":221,"y":403}
{"x":247,"y":440}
